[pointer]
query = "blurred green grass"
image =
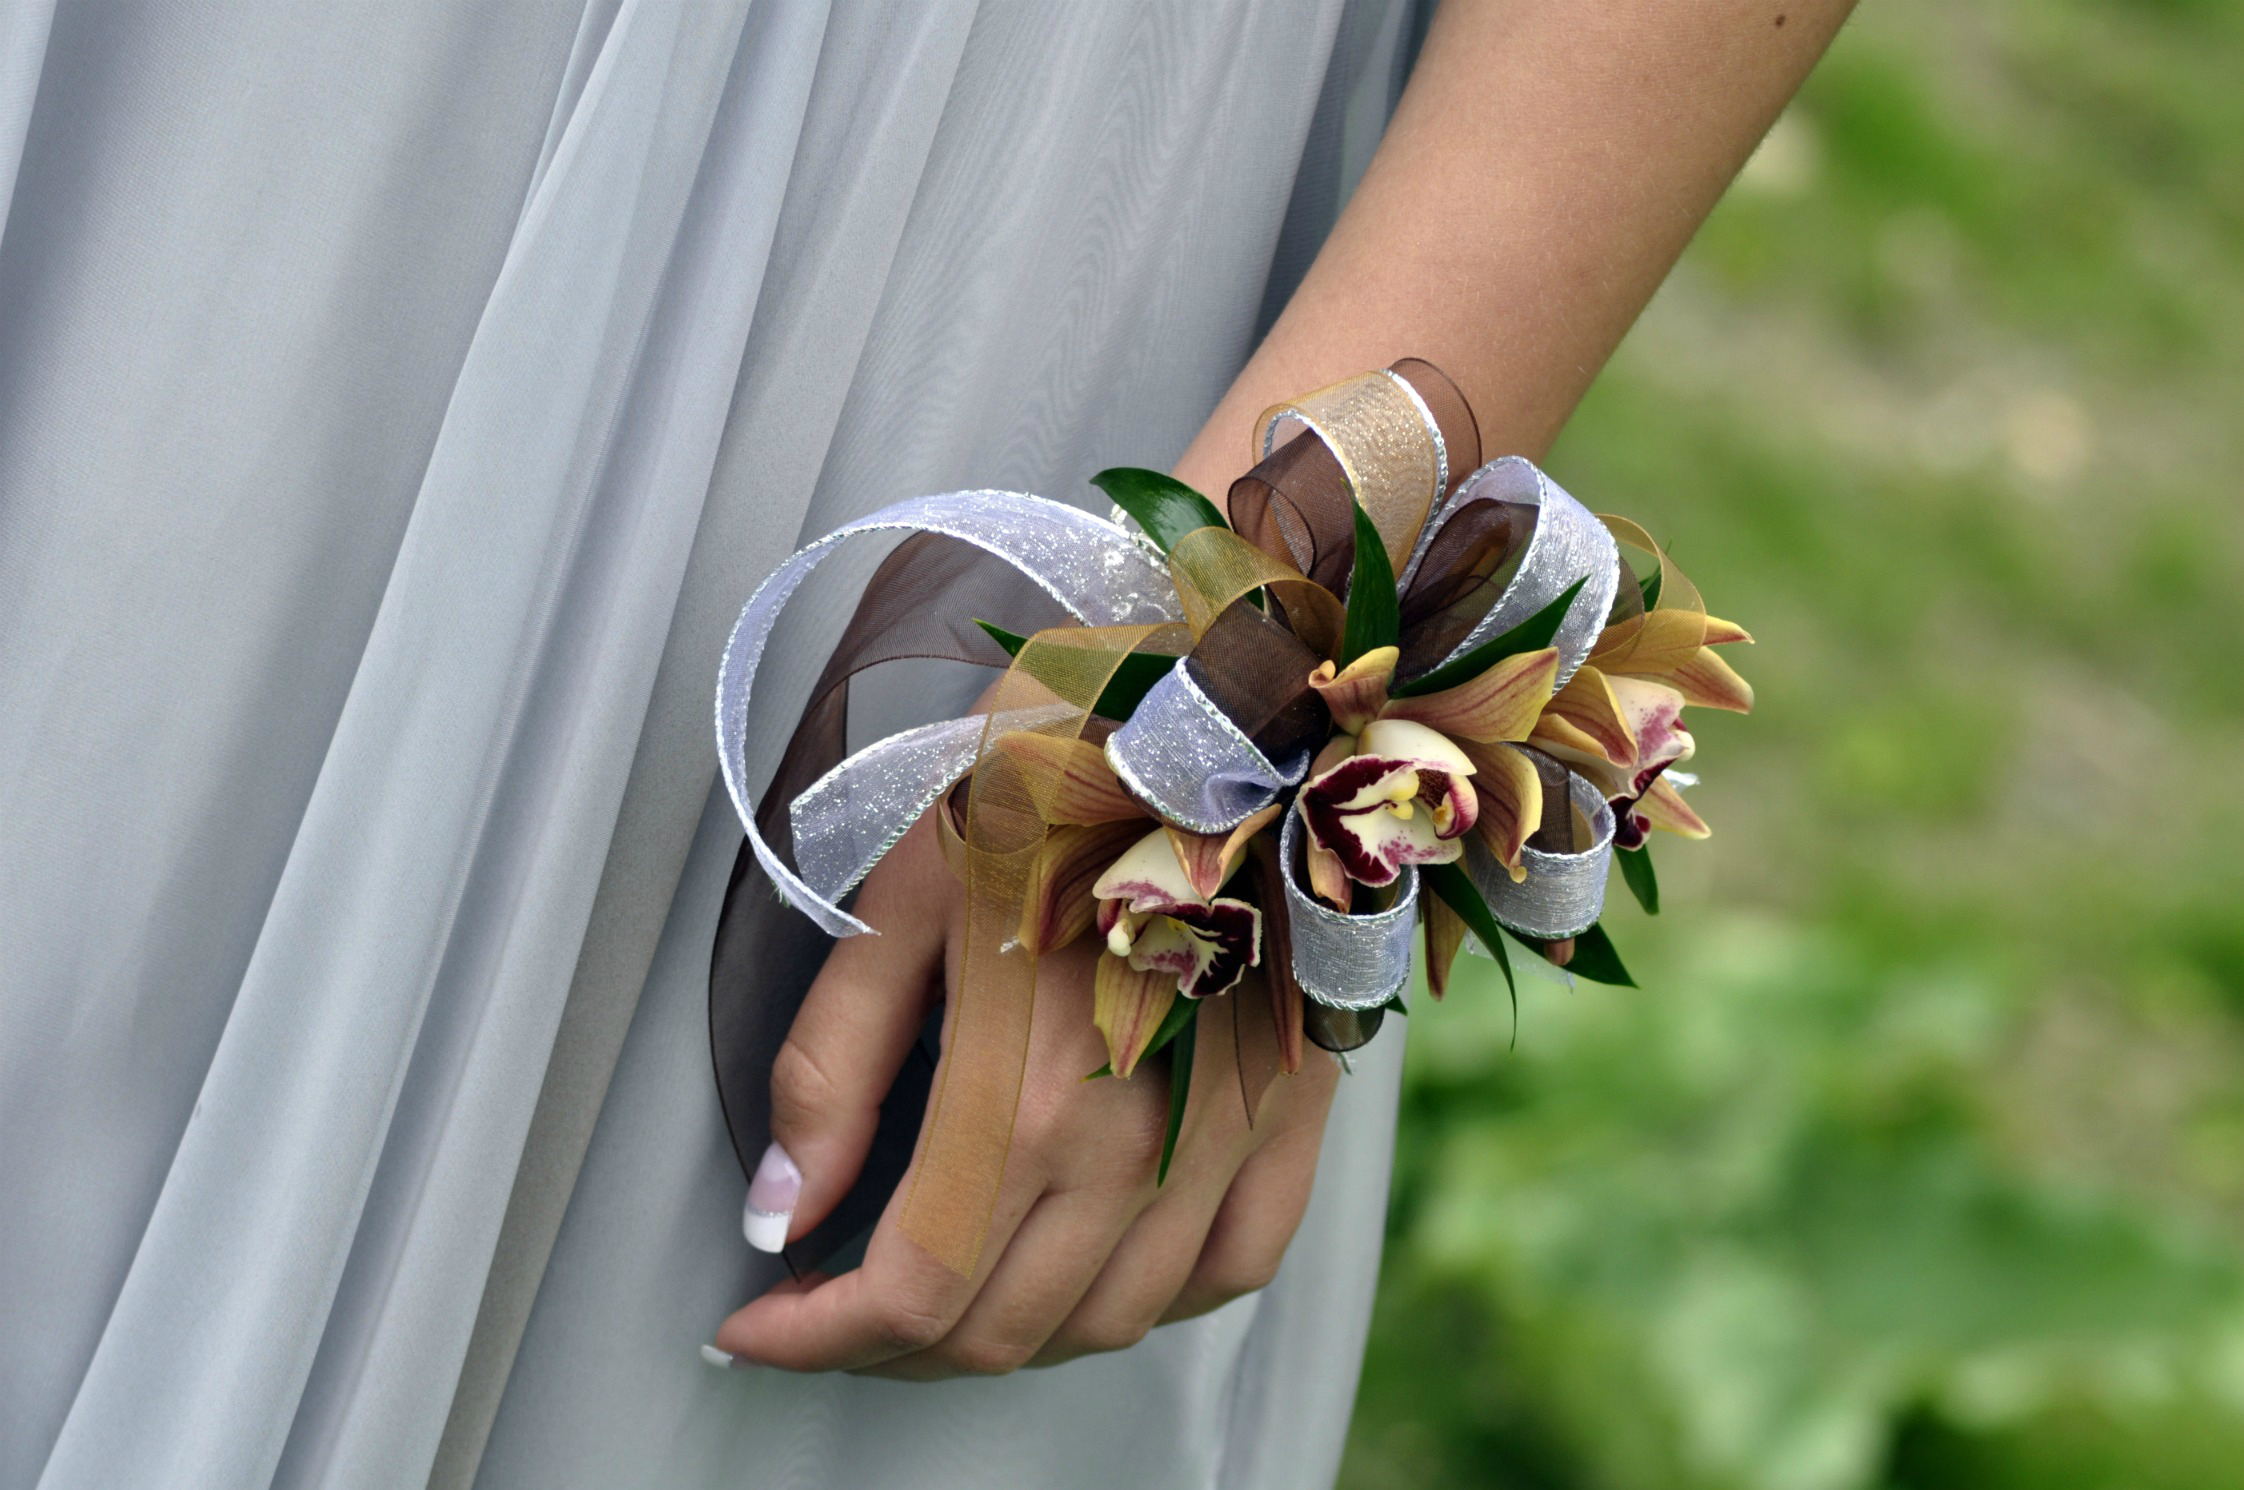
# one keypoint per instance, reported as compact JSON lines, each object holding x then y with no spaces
{"x":1918,"y":1160}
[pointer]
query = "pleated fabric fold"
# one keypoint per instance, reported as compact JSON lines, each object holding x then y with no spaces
{"x":395,"y":405}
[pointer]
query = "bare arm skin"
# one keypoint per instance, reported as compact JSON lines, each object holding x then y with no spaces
{"x":1548,"y":162}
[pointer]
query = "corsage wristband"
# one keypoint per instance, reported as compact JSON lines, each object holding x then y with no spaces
{"x":1396,"y":688}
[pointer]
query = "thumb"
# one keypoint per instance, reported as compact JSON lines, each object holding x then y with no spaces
{"x":851,"y":1036}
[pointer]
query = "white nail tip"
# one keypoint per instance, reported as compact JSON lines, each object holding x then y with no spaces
{"x":718,"y":1358}
{"x":766,"y":1230}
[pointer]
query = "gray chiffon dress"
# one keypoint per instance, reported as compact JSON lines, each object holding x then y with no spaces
{"x":397,"y":399}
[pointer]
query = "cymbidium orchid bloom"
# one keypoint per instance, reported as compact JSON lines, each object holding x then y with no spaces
{"x":1397,"y":784}
{"x":1150,"y":914}
{"x":1618,"y":721}
{"x":1153,"y":898}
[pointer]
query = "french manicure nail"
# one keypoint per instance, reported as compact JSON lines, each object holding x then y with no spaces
{"x":771,"y":1200}
{"x":723,"y":1360}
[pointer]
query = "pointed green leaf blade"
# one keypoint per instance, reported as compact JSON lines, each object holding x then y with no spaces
{"x":1460,"y":894}
{"x":1530,"y":635}
{"x":1596,"y":959}
{"x":1162,"y":505}
{"x":1180,"y":1083}
{"x":1374,"y":618}
{"x":1636,"y":869}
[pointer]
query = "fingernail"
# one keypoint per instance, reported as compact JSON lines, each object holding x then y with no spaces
{"x":723,"y":1360}
{"x":771,"y":1200}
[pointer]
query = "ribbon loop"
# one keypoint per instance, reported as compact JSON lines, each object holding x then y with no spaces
{"x":1568,"y":544}
{"x":1564,"y":893}
{"x":1340,"y":960}
{"x":1184,"y":756}
{"x":1093,"y":568}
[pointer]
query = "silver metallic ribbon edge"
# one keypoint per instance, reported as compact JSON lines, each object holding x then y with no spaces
{"x":847,"y":820}
{"x":1563,"y":894}
{"x":1179,"y":752}
{"x":1094,"y":569}
{"x":1568,"y":543}
{"x":1338,"y":957}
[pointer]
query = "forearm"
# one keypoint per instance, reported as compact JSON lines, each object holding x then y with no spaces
{"x":1547,"y":164}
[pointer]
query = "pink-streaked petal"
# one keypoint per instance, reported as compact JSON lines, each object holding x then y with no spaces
{"x":1510,"y":799}
{"x":1503,"y":703}
{"x":1355,"y":693}
{"x":1128,"y":1005}
{"x":1061,"y":904}
{"x":1207,"y":949}
{"x":1407,"y":740}
{"x":1654,"y":713}
{"x":1584,"y":715}
{"x":1069,"y":779}
{"x":1708,"y":681}
{"x":1385,"y":841}
{"x":1451,"y":800}
{"x":1720,"y":633}
{"x":1663,"y":806}
{"x":1148,"y":877}
{"x":1363,"y":781}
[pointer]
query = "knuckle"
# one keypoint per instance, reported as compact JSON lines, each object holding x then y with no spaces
{"x":989,"y":1357}
{"x":907,"y":1324}
{"x":800,"y":1090}
{"x":1232,"y":1277}
{"x":1105,"y":1333}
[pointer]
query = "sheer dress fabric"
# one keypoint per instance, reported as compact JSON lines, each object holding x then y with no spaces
{"x":396,"y":401}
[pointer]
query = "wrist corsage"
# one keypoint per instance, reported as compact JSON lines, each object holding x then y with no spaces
{"x":1396,"y":688}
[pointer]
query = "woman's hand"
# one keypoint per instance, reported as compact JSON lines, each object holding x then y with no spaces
{"x":1084,"y":1252}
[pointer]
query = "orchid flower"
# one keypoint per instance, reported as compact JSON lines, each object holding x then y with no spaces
{"x":1152,"y":895}
{"x":1618,"y":721}
{"x":1396,"y":785}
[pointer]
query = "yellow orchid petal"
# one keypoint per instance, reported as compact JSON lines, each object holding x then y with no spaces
{"x":1062,"y":902}
{"x":1209,"y":860}
{"x":1128,"y":1006}
{"x":1584,"y":715}
{"x":1710,"y":682}
{"x":1328,"y":879}
{"x":1069,"y":780}
{"x":1445,"y":933}
{"x":1503,"y":703}
{"x":1511,"y":802}
{"x":1663,"y":807}
{"x":1657,"y":642}
{"x":1720,"y":633}
{"x":1355,"y":693}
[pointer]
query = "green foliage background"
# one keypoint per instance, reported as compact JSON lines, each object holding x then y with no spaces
{"x":1919,"y":1158}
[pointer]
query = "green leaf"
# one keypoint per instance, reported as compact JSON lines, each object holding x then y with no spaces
{"x":1460,"y":894}
{"x":1165,"y":507}
{"x":1636,"y":868}
{"x":1530,"y":635}
{"x":1374,"y":618}
{"x":1595,"y":959}
{"x":1180,"y":1081}
{"x":1395,"y":1005}
{"x":1652,"y":587}
{"x":1131,"y":681}
{"x":1179,"y":1011}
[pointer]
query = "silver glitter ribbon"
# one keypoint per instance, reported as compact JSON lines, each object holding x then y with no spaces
{"x":1347,"y":962}
{"x":1568,"y":544}
{"x":1184,"y":756}
{"x":1563,"y":894}
{"x":1094,"y":569}
{"x":848,"y":818}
